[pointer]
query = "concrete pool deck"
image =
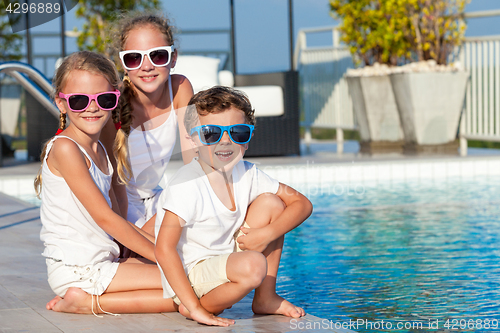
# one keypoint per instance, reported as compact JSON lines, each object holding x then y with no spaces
{"x":24,"y":290}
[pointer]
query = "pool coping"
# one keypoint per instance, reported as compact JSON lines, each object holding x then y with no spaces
{"x":302,"y":170}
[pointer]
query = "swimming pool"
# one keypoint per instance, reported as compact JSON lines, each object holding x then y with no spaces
{"x":406,"y":253}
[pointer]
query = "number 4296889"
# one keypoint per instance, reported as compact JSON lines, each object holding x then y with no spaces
{"x":40,"y":8}
{"x":456,"y":324}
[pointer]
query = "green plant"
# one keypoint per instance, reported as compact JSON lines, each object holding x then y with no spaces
{"x":99,"y":16}
{"x":437,"y":27}
{"x":399,"y":31}
{"x":10,"y":43}
{"x":373,"y":29}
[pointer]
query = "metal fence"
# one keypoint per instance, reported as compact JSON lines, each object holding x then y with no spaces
{"x":481,"y":57}
{"x":481,"y":115}
{"x":45,"y":61}
{"x":325,"y":100}
{"x":326,"y":103}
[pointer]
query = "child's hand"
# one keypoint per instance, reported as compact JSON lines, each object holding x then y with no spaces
{"x":202,"y":316}
{"x":255,"y":239}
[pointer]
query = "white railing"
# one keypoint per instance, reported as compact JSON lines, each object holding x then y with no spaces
{"x":481,"y":116}
{"x":326,"y":103}
{"x":324,"y":98}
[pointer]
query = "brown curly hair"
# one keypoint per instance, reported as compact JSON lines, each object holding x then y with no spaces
{"x":217,"y":99}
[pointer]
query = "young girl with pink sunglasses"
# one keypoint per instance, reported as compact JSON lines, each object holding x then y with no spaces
{"x":78,"y":204}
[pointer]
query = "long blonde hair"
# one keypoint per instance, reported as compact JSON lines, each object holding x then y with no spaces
{"x":84,"y":61}
{"x":125,"y":25}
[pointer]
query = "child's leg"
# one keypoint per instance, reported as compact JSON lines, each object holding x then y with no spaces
{"x":245,"y":270}
{"x":137,"y":301}
{"x":135,"y":288}
{"x":264,"y":210}
{"x":135,"y":274}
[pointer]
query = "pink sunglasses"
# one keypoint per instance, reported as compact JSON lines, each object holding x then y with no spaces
{"x":78,"y":102}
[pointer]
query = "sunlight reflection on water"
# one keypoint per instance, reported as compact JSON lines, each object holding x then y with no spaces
{"x":399,"y":252}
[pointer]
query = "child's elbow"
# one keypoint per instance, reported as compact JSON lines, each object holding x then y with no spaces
{"x":163,"y":250}
{"x":159,"y":252}
{"x":156,"y":252}
{"x":308,"y":207}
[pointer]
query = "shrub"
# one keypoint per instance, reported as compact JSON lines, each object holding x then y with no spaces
{"x":394,"y":32}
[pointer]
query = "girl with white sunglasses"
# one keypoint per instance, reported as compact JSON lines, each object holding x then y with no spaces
{"x":150,"y":112}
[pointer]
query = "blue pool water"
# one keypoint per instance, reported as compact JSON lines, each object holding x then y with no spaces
{"x":404,"y":253}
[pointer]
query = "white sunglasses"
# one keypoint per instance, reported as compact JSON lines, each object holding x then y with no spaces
{"x":158,"y":56}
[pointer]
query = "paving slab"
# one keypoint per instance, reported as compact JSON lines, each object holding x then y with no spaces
{"x":25,"y":320}
{"x":9,"y":301}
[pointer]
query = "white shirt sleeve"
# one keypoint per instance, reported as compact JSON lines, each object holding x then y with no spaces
{"x":261,"y":182}
{"x":181,"y":200}
{"x":182,"y":194}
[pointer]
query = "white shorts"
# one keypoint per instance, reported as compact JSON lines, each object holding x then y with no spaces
{"x":93,"y":279}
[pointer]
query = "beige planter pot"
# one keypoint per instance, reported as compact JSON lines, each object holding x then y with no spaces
{"x":429,"y":105}
{"x":376,"y":112}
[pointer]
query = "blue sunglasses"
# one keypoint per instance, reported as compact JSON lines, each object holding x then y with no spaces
{"x":211,"y":134}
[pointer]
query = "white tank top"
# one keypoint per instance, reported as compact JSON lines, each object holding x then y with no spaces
{"x":150,"y":147}
{"x":69,"y":233}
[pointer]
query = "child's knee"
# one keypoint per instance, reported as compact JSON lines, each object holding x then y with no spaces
{"x":275,"y":202}
{"x":270,"y":203}
{"x":255,"y":268}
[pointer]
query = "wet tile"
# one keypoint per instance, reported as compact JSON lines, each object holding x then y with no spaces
{"x":426,"y":171}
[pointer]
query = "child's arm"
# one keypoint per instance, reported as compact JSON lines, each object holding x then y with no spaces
{"x":183,"y":94}
{"x":114,"y":202}
{"x":107,"y":138}
{"x":298,"y":208}
{"x":146,"y":234}
{"x":69,"y":162}
{"x":171,"y":264}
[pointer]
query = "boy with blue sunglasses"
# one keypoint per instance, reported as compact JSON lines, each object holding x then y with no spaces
{"x":208,"y":260}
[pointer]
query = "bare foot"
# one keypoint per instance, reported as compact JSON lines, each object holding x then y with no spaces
{"x":183,"y":311}
{"x":75,"y":301}
{"x":52,"y":302}
{"x":274,"y":304}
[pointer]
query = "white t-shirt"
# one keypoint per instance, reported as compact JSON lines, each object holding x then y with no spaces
{"x":210,"y":225}
{"x":150,"y":147}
